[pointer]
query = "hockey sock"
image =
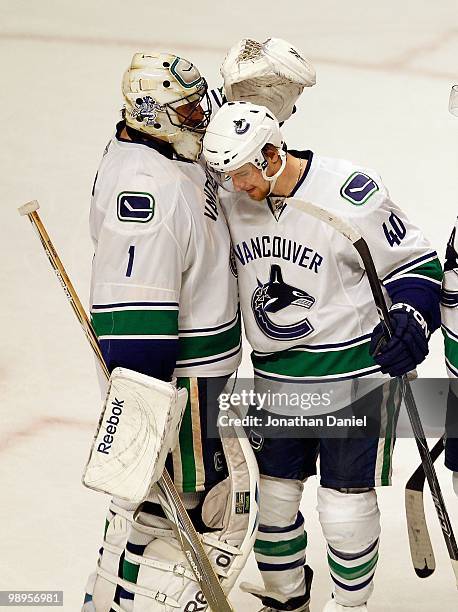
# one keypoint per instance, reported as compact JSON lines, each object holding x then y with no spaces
{"x":351,"y":526}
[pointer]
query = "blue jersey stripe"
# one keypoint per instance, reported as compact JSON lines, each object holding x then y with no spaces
{"x":184,"y":364}
{"x":151,"y":357}
{"x":320,"y":347}
{"x":129,"y":304}
{"x":208,"y":329}
{"x":414,"y":262}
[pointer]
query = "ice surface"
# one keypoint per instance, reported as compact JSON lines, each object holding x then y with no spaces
{"x":384,"y":74}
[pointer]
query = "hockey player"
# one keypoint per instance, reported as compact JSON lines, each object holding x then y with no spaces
{"x":309,"y":316}
{"x":449,"y":305}
{"x":164,"y":303}
{"x":162,"y":132}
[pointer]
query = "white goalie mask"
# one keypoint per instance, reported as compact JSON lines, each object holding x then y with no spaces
{"x":166,"y":97}
{"x":272,"y":74}
{"x":236,"y":136}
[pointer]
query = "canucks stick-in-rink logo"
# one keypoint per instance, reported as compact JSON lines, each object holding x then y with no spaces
{"x":275,"y":295}
{"x":241,"y":126}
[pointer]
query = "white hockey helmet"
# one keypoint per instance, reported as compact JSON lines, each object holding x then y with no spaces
{"x":236,"y":136}
{"x":163,"y":95}
{"x":272,"y":73}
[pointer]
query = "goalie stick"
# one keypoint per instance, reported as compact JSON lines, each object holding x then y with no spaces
{"x":352,"y":234}
{"x":171,"y":502}
{"x":421,"y":549}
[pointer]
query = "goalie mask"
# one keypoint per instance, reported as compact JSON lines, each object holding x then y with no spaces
{"x":237,"y":135}
{"x":272,"y":74}
{"x":166,"y":97}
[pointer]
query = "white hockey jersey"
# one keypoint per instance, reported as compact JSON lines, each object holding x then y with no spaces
{"x":307,"y":306}
{"x":449,"y":305}
{"x":161,"y":269}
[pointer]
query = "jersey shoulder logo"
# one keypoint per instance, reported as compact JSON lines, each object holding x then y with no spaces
{"x":358,"y":188}
{"x":135,"y":206}
{"x":275,"y":295}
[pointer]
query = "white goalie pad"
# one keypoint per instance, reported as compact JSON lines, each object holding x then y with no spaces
{"x":271,"y":74}
{"x":161,"y":579}
{"x":138,"y":427}
{"x":232,"y":506}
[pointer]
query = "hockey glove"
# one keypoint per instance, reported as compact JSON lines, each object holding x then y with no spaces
{"x":408,"y":345}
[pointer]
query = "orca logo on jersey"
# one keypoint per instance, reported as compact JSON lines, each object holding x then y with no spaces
{"x":275,"y":295}
{"x":135,"y":206}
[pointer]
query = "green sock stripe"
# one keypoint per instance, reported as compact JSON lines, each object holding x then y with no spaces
{"x":188,"y":464}
{"x":130,"y":571}
{"x":352,"y":573}
{"x":281,"y":549}
{"x":107,"y":524}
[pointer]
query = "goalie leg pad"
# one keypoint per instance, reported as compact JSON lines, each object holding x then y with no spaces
{"x":99,"y":591}
{"x":154,"y":574}
{"x":232,"y":507}
{"x":351,"y":527}
{"x":145,"y":569}
{"x":138,"y":427}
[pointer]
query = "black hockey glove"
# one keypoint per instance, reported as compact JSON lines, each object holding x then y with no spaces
{"x":408,"y":345}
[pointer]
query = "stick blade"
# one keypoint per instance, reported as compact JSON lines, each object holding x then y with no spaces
{"x":28,"y":208}
{"x":421,"y":549}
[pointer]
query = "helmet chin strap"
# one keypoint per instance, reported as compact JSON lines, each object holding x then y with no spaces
{"x":273,"y":179}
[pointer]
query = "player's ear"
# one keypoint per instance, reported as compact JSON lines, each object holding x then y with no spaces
{"x":270,"y":152}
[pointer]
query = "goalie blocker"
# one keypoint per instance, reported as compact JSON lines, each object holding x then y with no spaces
{"x":138,"y":427}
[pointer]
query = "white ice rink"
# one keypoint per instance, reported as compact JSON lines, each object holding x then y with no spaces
{"x":384,"y":74}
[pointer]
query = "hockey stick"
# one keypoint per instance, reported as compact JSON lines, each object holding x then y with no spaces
{"x":353,"y":235}
{"x":421,"y":549}
{"x":172,"y":505}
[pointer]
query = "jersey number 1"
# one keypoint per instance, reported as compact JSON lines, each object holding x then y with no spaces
{"x":130,"y":263}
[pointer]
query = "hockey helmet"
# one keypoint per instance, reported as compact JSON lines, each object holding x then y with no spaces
{"x":237,"y":135}
{"x":166,"y":97}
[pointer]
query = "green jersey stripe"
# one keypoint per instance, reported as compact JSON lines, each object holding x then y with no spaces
{"x":451,"y":349}
{"x":352,"y":573}
{"x":135,"y":322}
{"x":315,"y":363}
{"x":186,"y":445}
{"x":197,"y":347}
{"x":431,"y":270}
{"x":281,"y":549}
